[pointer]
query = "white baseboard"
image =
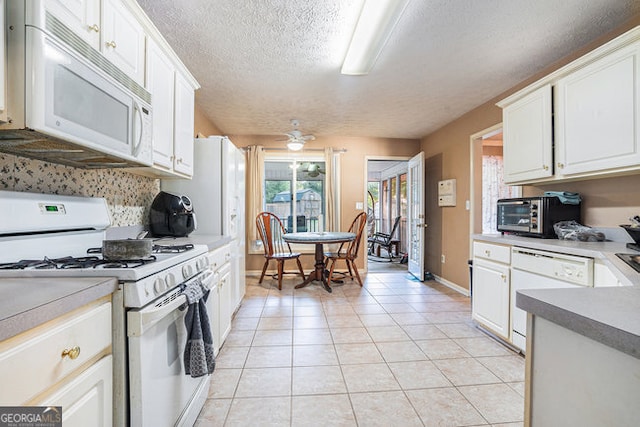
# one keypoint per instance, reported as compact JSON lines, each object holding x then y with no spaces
{"x":452,"y":285}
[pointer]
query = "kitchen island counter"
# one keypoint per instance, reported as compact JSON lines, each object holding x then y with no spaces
{"x":29,"y":302}
{"x":610,"y":316}
{"x":583,"y":356}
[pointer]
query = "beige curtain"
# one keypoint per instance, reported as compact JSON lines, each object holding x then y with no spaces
{"x":331,"y":217}
{"x":255,"y":180}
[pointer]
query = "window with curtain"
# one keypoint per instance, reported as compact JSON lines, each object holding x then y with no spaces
{"x":493,"y":188}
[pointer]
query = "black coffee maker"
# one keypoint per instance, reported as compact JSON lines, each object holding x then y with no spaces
{"x":171,"y":215}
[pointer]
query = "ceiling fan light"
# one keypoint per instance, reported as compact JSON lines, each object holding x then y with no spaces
{"x":375,"y":24}
{"x":295,"y":145}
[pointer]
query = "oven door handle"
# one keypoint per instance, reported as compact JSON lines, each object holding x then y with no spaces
{"x":138,"y":321}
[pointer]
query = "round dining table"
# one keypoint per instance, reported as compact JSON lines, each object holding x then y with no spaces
{"x":318,"y":239}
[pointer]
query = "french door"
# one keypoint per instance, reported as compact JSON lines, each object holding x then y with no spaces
{"x":415,"y":217}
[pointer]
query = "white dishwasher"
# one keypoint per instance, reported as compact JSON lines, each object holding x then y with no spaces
{"x":536,"y":269}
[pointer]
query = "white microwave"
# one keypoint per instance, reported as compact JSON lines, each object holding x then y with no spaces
{"x":66,"y":103}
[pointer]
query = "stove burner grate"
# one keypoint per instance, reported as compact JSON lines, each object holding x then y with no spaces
{"x":171,"y":249}
{"x":633,"y":260}
{"x":125,"y":263}
{"x":75,"y":263}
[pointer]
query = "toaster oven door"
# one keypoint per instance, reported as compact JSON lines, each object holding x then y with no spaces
{"x":515,"y":216}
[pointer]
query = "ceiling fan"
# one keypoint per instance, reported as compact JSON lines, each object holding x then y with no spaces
{"x":312,"y":169}
{"x":296,"y":139}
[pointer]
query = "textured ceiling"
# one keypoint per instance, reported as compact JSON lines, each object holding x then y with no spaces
{"x":262,"y":63}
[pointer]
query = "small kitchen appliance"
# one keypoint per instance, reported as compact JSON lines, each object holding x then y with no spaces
{"x":534,"y":216}
{"x":66,"y":103}
{"x":171,"y":215}
{"x":46,"y":235}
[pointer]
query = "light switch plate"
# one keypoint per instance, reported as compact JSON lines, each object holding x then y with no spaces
{"x":359,"y":205}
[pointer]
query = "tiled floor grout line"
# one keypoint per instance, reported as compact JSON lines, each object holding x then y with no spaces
{"x":330,"y":307}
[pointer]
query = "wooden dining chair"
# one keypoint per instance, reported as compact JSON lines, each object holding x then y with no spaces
{"x":350,"y":252}
{"x":271,"y":230}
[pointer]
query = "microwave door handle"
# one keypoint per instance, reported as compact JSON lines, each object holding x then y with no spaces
{"x":138,"y":146}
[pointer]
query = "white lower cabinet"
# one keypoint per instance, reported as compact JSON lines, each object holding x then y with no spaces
{"x":87,"y":399}
{"x":221,"y":304}
{"x":64,"y":362}
{"x":491,"y":288}
{"x":226,"y":307}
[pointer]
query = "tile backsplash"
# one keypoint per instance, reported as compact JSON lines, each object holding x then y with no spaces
{"x":129,"y":196}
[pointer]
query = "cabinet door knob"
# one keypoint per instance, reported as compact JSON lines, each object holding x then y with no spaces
{"x":94,"y":28}
{"x":503,"y":277}
{"x":560,"y":165}
{"x":111,"y":44}
{"x":545,"y":167}
{"x":487,"y":253}
{"x":72,"y":353}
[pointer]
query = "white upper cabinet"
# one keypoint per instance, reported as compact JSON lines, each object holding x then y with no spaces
{"x":160,"y":77}
{"x":81,"y":16}
{"x":528,"y":128}
{"x":183,"y":122}
{"x":123,"y":39}
{"x":112,"y":30}
{"x":598,"y":107}
{"x":173,"y":116}
{"x":580,"y":121}
{"x":124,"y":35}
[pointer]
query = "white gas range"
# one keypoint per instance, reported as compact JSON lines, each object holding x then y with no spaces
{"x":52,"y":236}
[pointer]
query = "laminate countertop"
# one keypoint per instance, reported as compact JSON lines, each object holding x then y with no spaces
{"x":603,"y":251}
{"x":29,"y":302}
{"x":610,"y":316}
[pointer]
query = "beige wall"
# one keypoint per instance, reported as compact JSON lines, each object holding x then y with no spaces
{"x":352,"y":177}
{"x":607,"y":202}
{"x":452,"y":142}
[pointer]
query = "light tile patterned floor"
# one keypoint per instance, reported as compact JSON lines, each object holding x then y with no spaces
{"x":395,"y":352}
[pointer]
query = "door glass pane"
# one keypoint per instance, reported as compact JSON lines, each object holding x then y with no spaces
{"x":394,"y":198}
{"x":373,"y":206}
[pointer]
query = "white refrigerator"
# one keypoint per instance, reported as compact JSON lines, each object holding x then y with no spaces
{"x":217,"y":192}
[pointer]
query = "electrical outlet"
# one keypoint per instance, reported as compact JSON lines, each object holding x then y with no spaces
{"x":442,"y":258}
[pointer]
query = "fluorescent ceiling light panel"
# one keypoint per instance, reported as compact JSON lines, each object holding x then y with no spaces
{"x":376,"y":22}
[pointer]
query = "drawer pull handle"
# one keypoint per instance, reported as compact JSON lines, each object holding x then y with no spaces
{"x":487,"y":253}
{"x":95,"y":28}
{"x":111,"y":44}
{"x":72,"y":353}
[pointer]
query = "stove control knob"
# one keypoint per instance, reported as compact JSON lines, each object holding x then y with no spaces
{"x":159,"y":285}
{"x":187,"y":271}
{"x":201,"y":264}
{"x":170,"y":280}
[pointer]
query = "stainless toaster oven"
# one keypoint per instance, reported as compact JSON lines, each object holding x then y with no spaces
{"x":534,"y":216}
